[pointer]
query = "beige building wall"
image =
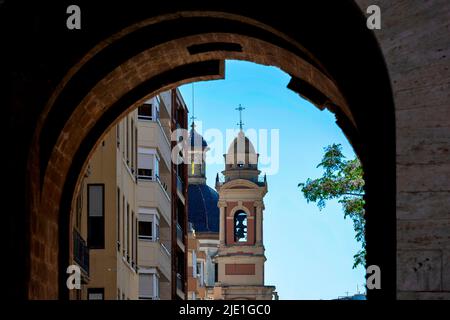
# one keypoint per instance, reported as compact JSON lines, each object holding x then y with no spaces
{"x":113,"y":267}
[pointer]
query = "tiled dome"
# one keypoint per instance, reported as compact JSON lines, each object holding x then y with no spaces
{"x":202,"y":206}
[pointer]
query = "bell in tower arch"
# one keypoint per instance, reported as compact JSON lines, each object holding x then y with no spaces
{"x":240,"y":229}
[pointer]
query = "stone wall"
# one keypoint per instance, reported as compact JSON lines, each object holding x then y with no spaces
{"x":414,"y":39}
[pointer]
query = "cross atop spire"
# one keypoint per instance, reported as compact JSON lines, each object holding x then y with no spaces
{"x":193,"y":121}
{"x":240,"y":109}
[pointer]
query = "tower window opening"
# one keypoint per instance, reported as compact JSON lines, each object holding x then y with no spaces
{"x":240,"y":227}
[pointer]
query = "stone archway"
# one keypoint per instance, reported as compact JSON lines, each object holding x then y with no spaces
{"x":169,"y":49}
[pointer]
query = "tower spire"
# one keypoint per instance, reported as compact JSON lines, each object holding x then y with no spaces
{"x":240,"y":109}
{"x":193,"y":109}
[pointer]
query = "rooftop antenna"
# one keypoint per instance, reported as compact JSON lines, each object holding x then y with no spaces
{"x":240,"y":109}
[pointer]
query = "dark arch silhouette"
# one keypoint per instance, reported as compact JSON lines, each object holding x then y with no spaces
{"x":333,"y":40}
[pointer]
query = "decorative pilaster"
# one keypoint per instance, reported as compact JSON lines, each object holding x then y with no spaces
{"x":259,"y":205}
{"x":222,"y":205}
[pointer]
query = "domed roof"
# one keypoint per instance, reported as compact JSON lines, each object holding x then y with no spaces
{"x":196,"y":140}
{"x":241,"y":144}
{"x":202,"y":208}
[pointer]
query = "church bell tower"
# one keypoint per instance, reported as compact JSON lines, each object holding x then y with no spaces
{"x":241,"y":257}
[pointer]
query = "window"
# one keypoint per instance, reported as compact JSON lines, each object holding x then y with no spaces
{"x":148,"y":286}
{"x":132,"y":146}
{"x":216,"y":272}
{"x":200,"y":272}
{"x":240,"y":226}
{"x":127,"y":230}
{"x":118,"y":136}
{"x":79,"y":210}
{"x":135,"y":151}
{"x":148,"y":224}
{"x":135,"y":224}
{"x":133,"y":235}
{"x":150,"y":110}
{"x":148,"y":164}
{"x":145,"y":112}
{"x":127,"y":140}
{"x":96,"y":226}
{"x":156,"y":168}
{"x":118,"y":219}
{"x":96,"y":294}
{"x":122,"y":138}
{"x":194,"y":264}
{"x":133,"y":240}
{"x":123,"y":225}
{"x":145,"y":230}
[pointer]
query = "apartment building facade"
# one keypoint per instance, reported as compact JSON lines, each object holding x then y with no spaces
{"x":105,"y":221}
{"x":161,"y":199}
{"x":129,"y":230}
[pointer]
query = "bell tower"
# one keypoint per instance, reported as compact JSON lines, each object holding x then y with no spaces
{"x":241,"y":257}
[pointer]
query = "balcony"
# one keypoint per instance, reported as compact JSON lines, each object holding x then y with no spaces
{"x":155,"y":254}
{"x":152,"y":194}
{"x":80,"y":251}
{"x":261,"y":181}
{"x":152,"y":135}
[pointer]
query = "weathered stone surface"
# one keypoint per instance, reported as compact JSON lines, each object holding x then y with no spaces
{"x":420,"y":97}
{"x":418,"y":177}
{"x":427,"y":116}
{"x":423,"y":205}
{"x":446,"y":270}
{"x":423,"y":234}
{"x":419,"y":270}
{"x":415,"y":295}
{"x":425,"y":145}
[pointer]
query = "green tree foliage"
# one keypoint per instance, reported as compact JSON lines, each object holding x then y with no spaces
{"x":343,"y":180}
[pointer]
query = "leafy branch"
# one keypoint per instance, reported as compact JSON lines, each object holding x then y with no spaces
{"x":343,"y":180}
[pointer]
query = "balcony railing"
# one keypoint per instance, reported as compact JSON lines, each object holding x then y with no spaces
{"x":259,"y":180}
{"x":165,"y":249}
{"x":80,"y":251}
{"x":149,"y":298}
{"x":180,"y":233}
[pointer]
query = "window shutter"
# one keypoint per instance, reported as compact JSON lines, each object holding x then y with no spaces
{"x":146,"y":285}
{"x":95,"y":201}
{"x":145,"y":161}
{"x":194,"y":264}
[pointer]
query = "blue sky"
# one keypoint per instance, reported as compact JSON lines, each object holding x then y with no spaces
{"x":309,"y":252}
